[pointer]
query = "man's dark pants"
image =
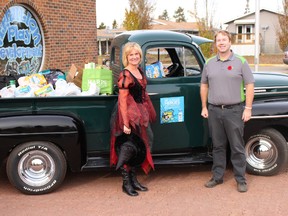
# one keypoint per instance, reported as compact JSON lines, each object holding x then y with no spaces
{"x":227,"y":127}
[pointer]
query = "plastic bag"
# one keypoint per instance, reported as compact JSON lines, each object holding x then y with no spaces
{"x":102,"y":77}
{"x":7,"y":92}
{"x":93,"y":90}
{"x":24,"y":91}
{"x":52,"y":75}
{"x":73,"y":90}
{"x":62,"y":88}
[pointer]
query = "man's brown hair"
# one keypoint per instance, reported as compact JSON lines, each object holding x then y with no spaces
{"x":223,"y":32}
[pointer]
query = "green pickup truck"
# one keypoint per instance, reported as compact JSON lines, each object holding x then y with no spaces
{"x":40,"y":138}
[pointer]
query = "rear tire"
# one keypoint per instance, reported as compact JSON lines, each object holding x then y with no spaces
{"x":36,"y":167}
{"x":266,"y":153}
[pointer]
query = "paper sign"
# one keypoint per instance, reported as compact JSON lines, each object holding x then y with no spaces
{"x":172,"y":109}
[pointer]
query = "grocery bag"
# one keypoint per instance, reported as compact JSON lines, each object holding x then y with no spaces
{"x":101,"y":76}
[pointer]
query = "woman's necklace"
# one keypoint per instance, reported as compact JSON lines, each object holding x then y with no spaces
{"x":136,"y":73}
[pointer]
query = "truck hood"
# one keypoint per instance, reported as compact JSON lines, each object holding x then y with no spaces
{"x":270,"y":83}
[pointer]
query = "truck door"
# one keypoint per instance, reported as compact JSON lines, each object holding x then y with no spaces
{"x":174,"y":73}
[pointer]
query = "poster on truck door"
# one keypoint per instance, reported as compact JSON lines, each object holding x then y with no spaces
{"x":171,"y":109}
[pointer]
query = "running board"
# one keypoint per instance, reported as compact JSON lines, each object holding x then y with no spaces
{"x":187,"y":159}
{"x":183,"y":159}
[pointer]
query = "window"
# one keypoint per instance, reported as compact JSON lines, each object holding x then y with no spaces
{"x":239,"y":34}
{"x":248,"y":33}
{"x":164,"y":62}
{"x":190,"y":61}
{"x":245,"y":34}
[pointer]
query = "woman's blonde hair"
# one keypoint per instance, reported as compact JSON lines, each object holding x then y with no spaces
{"x":127,"y":49}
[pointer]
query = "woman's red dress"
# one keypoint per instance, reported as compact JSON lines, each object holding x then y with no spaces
{"x":134,"y":115}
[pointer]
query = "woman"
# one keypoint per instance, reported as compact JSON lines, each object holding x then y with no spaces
{"x":131,"y":134}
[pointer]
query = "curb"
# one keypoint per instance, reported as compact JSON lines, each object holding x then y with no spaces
{"x":269,"y":65}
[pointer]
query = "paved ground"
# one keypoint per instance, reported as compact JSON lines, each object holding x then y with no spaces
{"x":172,"y":191}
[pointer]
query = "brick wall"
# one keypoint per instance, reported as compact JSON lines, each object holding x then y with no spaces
{"x":69,"y":28}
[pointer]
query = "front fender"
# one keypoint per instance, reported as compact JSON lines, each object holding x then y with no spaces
{"x":63,"y":131}
{"x":268,"y":113}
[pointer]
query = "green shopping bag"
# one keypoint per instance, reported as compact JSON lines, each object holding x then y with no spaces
{"x":101,"y":76}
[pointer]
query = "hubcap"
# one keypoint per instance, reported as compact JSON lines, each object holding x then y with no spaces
{"x":36,"y":168}
{"x":261,"y":153}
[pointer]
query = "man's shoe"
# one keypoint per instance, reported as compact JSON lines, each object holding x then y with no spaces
{"x":212,"y":183}
{"x":242,"y":187}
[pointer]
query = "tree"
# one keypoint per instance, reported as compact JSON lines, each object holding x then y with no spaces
{"x":164,"y":16}
{"x":179,"y":15}
{"x":102,"y":26}
{"x":282,"y":33}
{"x":114,"y":24}
{"x":139,"y":15}
{"x":207,"y":20}
{"x":205,"y":26}
{"x":131,"y":20}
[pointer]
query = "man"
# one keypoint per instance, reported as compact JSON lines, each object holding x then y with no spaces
{"x":222,"y":86}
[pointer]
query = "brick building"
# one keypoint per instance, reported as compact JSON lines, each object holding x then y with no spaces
{"x":42,"y":34}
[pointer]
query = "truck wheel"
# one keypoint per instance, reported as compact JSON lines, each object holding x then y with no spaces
{"x":36,"y":167}
{"x":266,"y":153}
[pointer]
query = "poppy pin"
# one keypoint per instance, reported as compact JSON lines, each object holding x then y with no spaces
{"x":229,"y":67}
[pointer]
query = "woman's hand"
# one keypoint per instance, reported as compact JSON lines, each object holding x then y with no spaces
{"x":126,"y":130}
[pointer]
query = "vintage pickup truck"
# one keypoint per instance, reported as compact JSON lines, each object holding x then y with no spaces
{"x":40,"y":138}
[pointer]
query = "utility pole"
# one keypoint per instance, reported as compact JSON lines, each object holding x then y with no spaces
{"x":257,"y":36}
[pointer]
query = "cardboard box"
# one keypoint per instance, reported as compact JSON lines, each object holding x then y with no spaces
{"x":75,"y":75}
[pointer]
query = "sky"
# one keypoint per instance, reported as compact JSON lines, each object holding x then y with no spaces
{"x":224,"y":10}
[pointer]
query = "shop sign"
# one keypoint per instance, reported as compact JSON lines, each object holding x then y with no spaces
{"x":21,"y":42}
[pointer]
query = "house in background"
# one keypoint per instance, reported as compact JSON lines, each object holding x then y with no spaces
{"x":105,"y":36}
{"x":243,"y":31}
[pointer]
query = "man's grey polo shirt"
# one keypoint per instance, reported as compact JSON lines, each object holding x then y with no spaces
{"x":226,"y":79}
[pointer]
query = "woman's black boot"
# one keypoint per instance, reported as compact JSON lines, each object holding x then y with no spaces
{"x":127,"y":187}
{"x":134,"y":182}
